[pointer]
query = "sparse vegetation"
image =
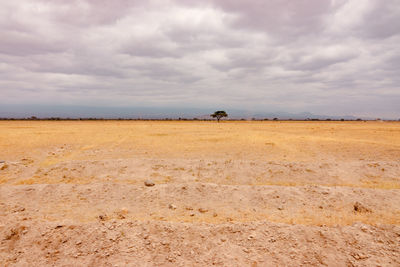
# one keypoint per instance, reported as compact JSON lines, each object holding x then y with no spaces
{"x":219,"y":114}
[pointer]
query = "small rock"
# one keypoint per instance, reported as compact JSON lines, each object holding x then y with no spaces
{"x":18,"y":209}
{"x":172,"y":207}
{"x":246,"y":250}
{"x":280,"y":207}
{"x":3,"y":166}
{"x":201,"y":210}
{"x":102,"y":217}
{"x":149,"y":183}
{"x":191,"y":214}
{"x":78,"y":243}
{"x":2,"y":161}
{"x":359,"y":256}
{"x":358,"y":207}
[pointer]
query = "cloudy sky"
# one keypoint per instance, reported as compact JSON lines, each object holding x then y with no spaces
{"x":332,"y":57}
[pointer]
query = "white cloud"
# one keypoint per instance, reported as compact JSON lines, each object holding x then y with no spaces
{"x":287,"y":55}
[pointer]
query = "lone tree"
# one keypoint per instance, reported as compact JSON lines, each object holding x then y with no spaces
{"x":219,"y":114}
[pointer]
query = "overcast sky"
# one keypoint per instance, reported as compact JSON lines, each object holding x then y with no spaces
{"x":328,"y":57}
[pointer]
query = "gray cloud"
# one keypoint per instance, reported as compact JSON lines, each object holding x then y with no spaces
{"x":336,"y":57}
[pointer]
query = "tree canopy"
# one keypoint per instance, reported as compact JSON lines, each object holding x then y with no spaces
{"x":219,"y":114}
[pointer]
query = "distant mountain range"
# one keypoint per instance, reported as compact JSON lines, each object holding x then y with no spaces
{"x":46,"y":111}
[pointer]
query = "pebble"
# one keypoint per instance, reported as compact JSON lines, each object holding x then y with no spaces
{"x":203,"y":210}
{"x":360,"y":256}
{"x":149,"y":183}
{"x":172,"y":206}
{"x":2,"y":161}
{"x":358,"y":207}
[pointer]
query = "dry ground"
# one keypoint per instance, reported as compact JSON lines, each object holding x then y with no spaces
{"x":229,"y":194}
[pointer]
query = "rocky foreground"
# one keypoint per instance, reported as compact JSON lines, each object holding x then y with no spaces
{"x":195,"y":224}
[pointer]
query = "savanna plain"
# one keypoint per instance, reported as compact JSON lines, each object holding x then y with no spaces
{"x":259,"y":193}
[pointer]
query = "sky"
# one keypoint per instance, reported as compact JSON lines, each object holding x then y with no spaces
{"x":337,"y":57}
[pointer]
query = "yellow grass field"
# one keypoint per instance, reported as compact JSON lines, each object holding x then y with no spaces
{"x":359,"y":154}
{"x":206,"y":174}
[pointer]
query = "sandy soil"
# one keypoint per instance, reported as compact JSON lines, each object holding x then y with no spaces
{"x":227,"y":194}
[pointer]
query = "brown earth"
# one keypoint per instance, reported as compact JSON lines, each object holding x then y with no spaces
{"x":228,"y":194}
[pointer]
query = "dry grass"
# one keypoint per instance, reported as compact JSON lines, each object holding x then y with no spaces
{"x":292,"y":140}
